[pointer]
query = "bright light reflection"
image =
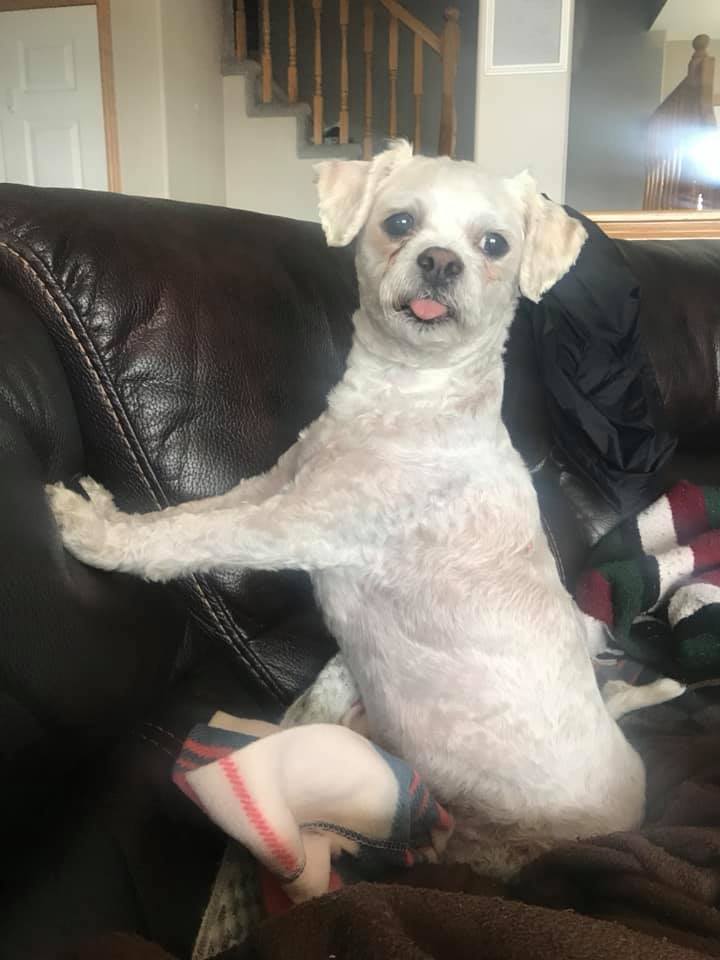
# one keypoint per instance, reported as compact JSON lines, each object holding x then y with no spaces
{"x":704,"y":150}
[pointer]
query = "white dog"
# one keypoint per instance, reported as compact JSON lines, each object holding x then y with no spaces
{"x":418,"y":521}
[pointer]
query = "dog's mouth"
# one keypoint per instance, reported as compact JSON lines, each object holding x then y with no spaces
{"x":425,"y":310}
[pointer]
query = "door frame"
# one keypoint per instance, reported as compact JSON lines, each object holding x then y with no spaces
{"x":107,"y":77}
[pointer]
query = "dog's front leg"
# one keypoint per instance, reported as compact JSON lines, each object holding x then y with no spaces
{"x":305,"y":526}
{"x":84,"y":522}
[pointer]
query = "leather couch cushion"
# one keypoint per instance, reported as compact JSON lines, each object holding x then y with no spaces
{"x":82,"y":653}
{"x":197,"y":342}
{"x":680,"y":326}
{"x":679,"y":321}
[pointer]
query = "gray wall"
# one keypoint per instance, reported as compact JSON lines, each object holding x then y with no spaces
{"x":616,"y":82}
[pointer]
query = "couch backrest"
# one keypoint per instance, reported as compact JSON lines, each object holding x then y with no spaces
{"x":197,"y":342}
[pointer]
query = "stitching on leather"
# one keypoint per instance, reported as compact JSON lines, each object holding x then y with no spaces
{"x":227,"y":629}
{"x":554,"y":547}
{"x":167,"y":752}
{"x":260,"y":668}
{"x":200,"y":589}
{"x":168,"y":733}
{"x":47,"y":293}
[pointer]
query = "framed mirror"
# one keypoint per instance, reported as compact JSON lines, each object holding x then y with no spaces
{"x":643,"y":140}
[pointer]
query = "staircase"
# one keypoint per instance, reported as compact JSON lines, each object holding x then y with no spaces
{"x":305,"y":81}
{"x":683,"y":151}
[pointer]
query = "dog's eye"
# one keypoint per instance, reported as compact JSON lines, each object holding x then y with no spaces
{"x":494,"y":245}
{"x":398,"y":224}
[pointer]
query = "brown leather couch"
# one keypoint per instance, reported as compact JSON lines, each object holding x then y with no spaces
{"x":170,"y":350}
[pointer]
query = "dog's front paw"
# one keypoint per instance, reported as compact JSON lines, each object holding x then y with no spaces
{"x":99,"y":497}
{"x":84,"y":524}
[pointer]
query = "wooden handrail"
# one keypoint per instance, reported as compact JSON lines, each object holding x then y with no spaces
{"x":397,"y":10}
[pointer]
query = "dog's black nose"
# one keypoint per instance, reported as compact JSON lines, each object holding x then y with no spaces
{"x":439,"y":264}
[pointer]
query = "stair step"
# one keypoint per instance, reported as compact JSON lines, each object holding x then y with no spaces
{"x":233,"y":67}
{"x":280,"y":107}
{"x":329,"y":151}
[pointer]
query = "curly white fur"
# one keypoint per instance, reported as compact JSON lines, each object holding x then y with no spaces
{"x":419,"y":525}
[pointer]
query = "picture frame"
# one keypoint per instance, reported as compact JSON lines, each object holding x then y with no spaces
{"x":559,"y":66}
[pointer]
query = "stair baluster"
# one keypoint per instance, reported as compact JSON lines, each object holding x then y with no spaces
{"x":673,"y":179}
{"x":240,"y":23}
{"x":368,"y":42}
{"x":393,"y":48}
{"x":292,"y":77}
{"x":450,"y":50}
{"x":318,"y":102}
{"x":266,"y":58}
{"x":418,"y":91}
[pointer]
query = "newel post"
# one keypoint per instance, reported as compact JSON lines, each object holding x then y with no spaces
{"x":450,"y":51}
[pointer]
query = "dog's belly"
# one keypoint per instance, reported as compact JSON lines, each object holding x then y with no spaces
{"x":478,"y":675}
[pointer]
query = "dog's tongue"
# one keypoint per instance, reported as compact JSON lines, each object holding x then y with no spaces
{"x":427,"y":309}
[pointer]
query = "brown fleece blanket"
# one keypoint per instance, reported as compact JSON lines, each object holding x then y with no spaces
{"x":650,"y":894}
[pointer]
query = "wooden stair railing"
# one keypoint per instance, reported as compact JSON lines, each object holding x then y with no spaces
{"x":673,"y":178}
{"x":445,"y":45}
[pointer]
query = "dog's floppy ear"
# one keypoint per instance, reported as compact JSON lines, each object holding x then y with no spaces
{"x":346,"y":189}
{"x":553,"y":240}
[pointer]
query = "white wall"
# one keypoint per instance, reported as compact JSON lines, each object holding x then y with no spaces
{"x":521,"y":120}
{"x":168,"y":87}
{"x":617,"y":72}
{"x":192,"y":43}
{"x":685,"y":19}
{"x":263,"y":171}
{"x":139,"y":95}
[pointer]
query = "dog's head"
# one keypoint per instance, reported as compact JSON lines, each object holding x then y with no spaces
{"x":443,"y":250}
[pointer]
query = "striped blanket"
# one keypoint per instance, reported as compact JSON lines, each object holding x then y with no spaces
{"x":655,"y":581}
{"x":317,"y":806}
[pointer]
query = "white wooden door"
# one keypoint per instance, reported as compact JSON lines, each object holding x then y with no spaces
{"x":51,"y":115}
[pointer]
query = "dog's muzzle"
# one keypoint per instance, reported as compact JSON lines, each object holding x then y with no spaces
{"x":440,"y":267}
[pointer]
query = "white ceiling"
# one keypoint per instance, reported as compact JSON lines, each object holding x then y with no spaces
{"x":685,"y":19}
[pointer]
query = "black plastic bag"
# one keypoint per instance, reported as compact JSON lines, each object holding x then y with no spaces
{"x":602,"y":397}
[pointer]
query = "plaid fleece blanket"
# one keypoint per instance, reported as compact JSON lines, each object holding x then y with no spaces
{"x":650,"y":894}
{"x":317,"y":806}
{"x":655,"y":581}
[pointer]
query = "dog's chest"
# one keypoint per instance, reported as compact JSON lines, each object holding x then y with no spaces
{"x":420,"y":593}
